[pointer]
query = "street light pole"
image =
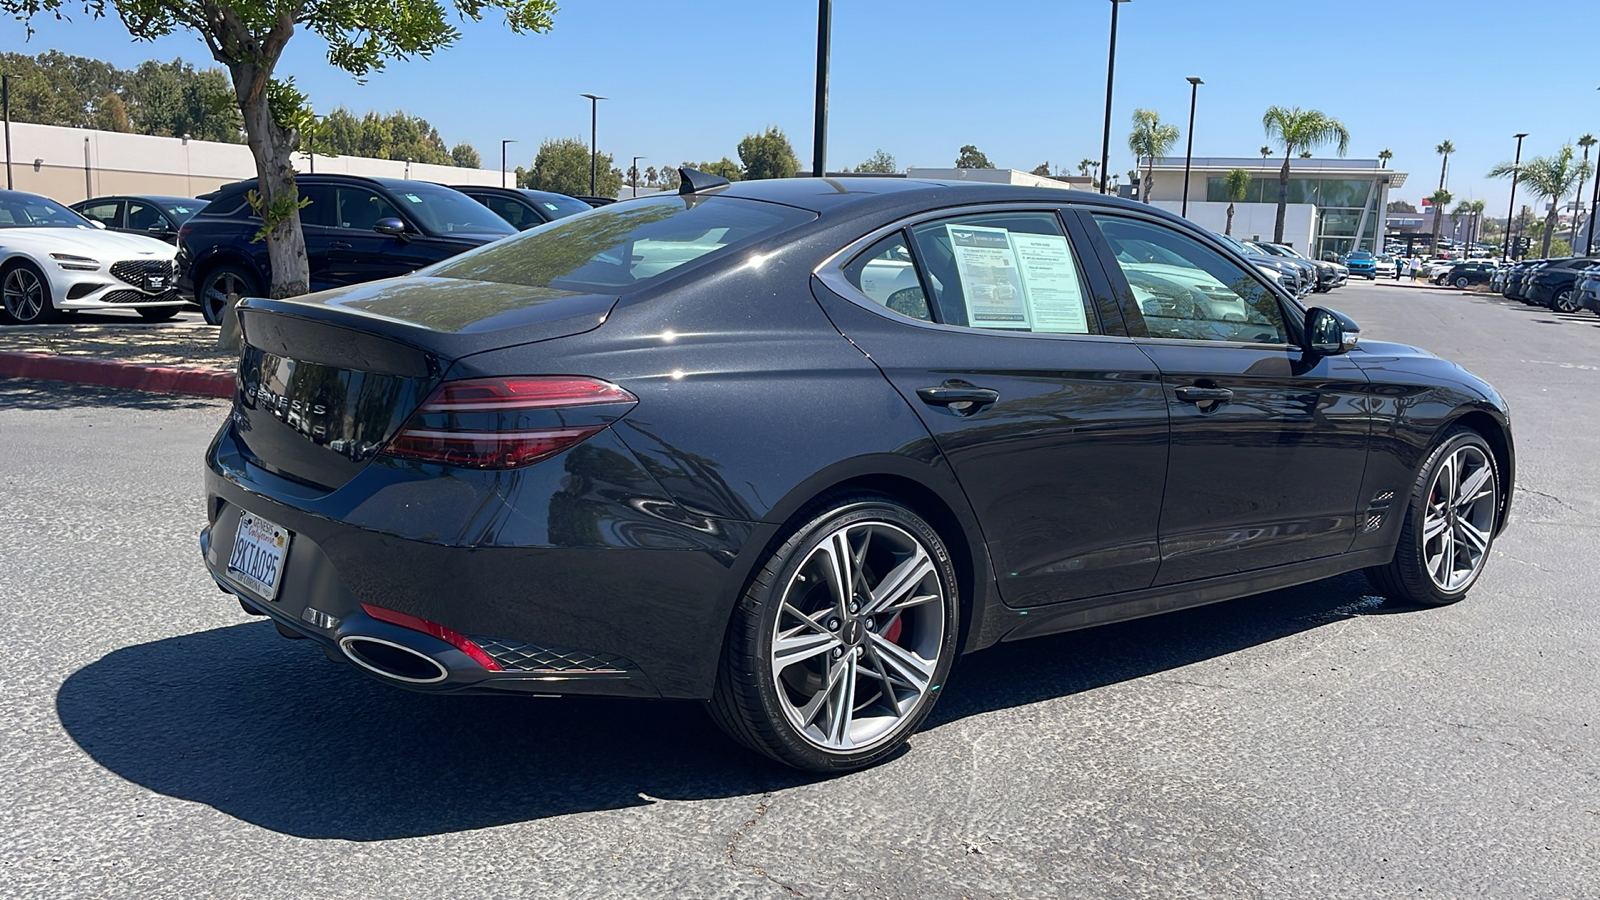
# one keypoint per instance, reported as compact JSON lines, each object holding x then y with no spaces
{"x":594,"y":133}
{"x":819,"y":128}
{"x":1588,"y":246}
{"x":1516,"y":171}
{"x":503,"y":159}
{"x":1188,"y":154}
{"x":1111,"y":72}
{"x":633,"y":172}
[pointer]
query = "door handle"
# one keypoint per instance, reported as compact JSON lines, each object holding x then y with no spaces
{"x":1204,"y":394}
{"x":339,"y":245}
{"x":959,"y":397}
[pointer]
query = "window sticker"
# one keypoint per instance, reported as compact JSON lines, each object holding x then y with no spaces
{"x":413,"y":198}
{"x":990,"y":281}
{"x":1018,"y":280}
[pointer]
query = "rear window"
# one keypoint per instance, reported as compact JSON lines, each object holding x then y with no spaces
{"x":623,"y":246}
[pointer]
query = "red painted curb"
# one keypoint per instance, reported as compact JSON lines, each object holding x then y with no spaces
{"x":109,"y":373}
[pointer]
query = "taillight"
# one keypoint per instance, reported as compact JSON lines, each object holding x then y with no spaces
{"x":454,"y":638}
{"x":478,"y":423}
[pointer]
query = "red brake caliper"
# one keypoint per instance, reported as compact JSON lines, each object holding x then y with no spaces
{"x":892,"y":633}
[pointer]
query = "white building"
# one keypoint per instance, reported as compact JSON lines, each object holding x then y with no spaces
{"x":72,"y":164}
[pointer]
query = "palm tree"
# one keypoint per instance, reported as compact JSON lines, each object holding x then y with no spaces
{"x":1440,"y":199}
{"x":1384,"y":156}
{"x":1585,"y":142}
{"x":1549,"y":178}
{"x":1148,"y":140}
{"x":1085,"y":166}
{"x":1237,"y":183}
{"x":1299,"y":129}
{"x":1266,"y":152}
{"x":1444,"y":150}
{"x":1471,"y":209}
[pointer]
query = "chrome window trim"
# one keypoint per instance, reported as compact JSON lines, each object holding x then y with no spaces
{"x":831,"y":270}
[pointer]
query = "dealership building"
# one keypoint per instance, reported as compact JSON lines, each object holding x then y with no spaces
{"x":1335,"y":205}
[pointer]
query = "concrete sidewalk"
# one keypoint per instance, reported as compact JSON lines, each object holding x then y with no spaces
{"x":167,"y":358}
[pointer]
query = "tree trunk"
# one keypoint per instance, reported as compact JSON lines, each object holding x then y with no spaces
{"x":1577,"y":206}
{"x":1229,"y":229}
{"x":1149,"y":178}
{"x":1549,"y":230}
{"x":1283,"y":194}
{"x":1438,"y":220}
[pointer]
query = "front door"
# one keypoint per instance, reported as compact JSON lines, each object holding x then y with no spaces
{"x":1054,"y":423}
{"x":1269,"y":442}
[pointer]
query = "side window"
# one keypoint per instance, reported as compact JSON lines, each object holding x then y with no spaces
{"x":1008,"y":271}
{"x":887,"y":275}
{"x":104,"y":213}
{"x":1188,"y":291}
{"x":517,"y":215}
{"x":144,"y":217}
{"x":319,"y":211}
{"x":361,"y":209}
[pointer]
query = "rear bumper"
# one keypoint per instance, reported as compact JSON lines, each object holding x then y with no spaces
{"x":616,"y":591}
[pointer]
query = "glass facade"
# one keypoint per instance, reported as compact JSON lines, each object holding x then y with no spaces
{"x":1339,"y":201}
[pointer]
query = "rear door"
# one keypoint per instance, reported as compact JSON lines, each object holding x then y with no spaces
{"x":1012,"y":352}
{"x":1269,"y":443}
{"x":106,"y":212}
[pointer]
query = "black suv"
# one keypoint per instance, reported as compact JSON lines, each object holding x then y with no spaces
{"x":521,"y":207}
{"x":357,"y":229}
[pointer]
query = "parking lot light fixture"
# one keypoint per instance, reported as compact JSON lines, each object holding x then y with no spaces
{"x":594,"y":133}
{"x":1511,"y":213}
{"x":633,"y":173}
{"x":503,"y":159}
{"x":819,"y":128}
{"x":1588,"y":245}
{"x":1188,"y":154}
{"x":1111,"y":72}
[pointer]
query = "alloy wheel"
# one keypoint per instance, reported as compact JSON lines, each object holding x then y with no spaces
{"x":1564,"y":302}
{"x":1462,"y":282}
{"x":222,"y":288}
{"x":856,"y":641}
{"x":25,"y":297}
{"x":1459,"y":520}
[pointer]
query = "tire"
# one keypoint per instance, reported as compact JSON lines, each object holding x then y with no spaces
{"x":1463,"y":282}
{"x":1431,"y":525}
{"x":890,"y":669}
{"x":157,"y":313}
{"x":224,"y":284}
{"x":25,"y":295}
{"x":1564,"y":301}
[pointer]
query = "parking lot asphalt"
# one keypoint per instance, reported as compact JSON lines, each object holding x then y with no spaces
{"x":1316,"y":742}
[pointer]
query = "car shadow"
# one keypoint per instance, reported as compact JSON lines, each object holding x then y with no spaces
{"x":31,"y":393}
{"x":276,"y":735}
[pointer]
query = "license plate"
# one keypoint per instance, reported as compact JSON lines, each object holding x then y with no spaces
{"x":155,"y":283}
{"x":259,"y":548}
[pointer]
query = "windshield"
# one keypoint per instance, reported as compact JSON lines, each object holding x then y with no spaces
{"x":19,"y":210}
{"x":443,"y":211}
{"x":623,"y":246}
{"x":557,"y":205}
{"x":183,"y":210}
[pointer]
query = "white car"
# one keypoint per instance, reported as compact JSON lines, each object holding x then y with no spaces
{"x":1383,"y":267}
{"x":52,"y":259}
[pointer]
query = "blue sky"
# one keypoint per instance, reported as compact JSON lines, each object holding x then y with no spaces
{"x":1023,"y":80}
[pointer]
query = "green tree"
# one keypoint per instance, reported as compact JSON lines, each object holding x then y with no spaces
{"x":111,"y":114}
{"x":879,"y":163}
{"x":1384,"y":156}
{"x":971,"y":157}
{"x":1444,"y":149}
{"x":668,"y":179}
{"x":174,"y":99}
{"x":249,"y":36}
{"x":1266,"y":152}
{"x":1148,"y":140}
{"x":562,"y":166}
{"x":1472,"y":211}
{"x":1550,"y":178}
{"x":650,"y":176}
{"x":466,"y":156}
{"x":1087,"y":167}
{"x":723,"y":167}
{"x":1401,"y":206}
{"x":1440,"y":199}
{"x":1236,"y":183}
{"x":767,"y":154}
{"x":1585,"y":142}
{"x":1042,"y":169}
{"x":1297,"y":129}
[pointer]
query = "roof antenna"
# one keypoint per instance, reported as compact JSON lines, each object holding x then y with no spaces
{"x":694,"y":181}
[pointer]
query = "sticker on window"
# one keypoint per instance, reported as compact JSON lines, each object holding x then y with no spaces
{"x":413,"y":198}
{"x":1018,"y":280}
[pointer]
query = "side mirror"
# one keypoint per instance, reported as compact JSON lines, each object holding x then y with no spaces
{"x":98,"y":224}
{"x":1330,"y":333}
{"x":390,"y":226}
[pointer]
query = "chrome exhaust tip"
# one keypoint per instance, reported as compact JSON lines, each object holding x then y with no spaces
{"x":392,"y":660}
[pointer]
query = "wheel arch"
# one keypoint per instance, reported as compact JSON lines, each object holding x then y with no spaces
{"x":222,"y":256}
{"x":1498,"y":436}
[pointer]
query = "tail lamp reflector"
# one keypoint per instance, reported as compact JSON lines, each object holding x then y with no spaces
{"x":454,"y":638}
{"x":478,"y":448}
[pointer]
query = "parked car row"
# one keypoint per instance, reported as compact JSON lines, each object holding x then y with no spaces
{"x":1554,"y":283}
{"x":156,"y":253}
